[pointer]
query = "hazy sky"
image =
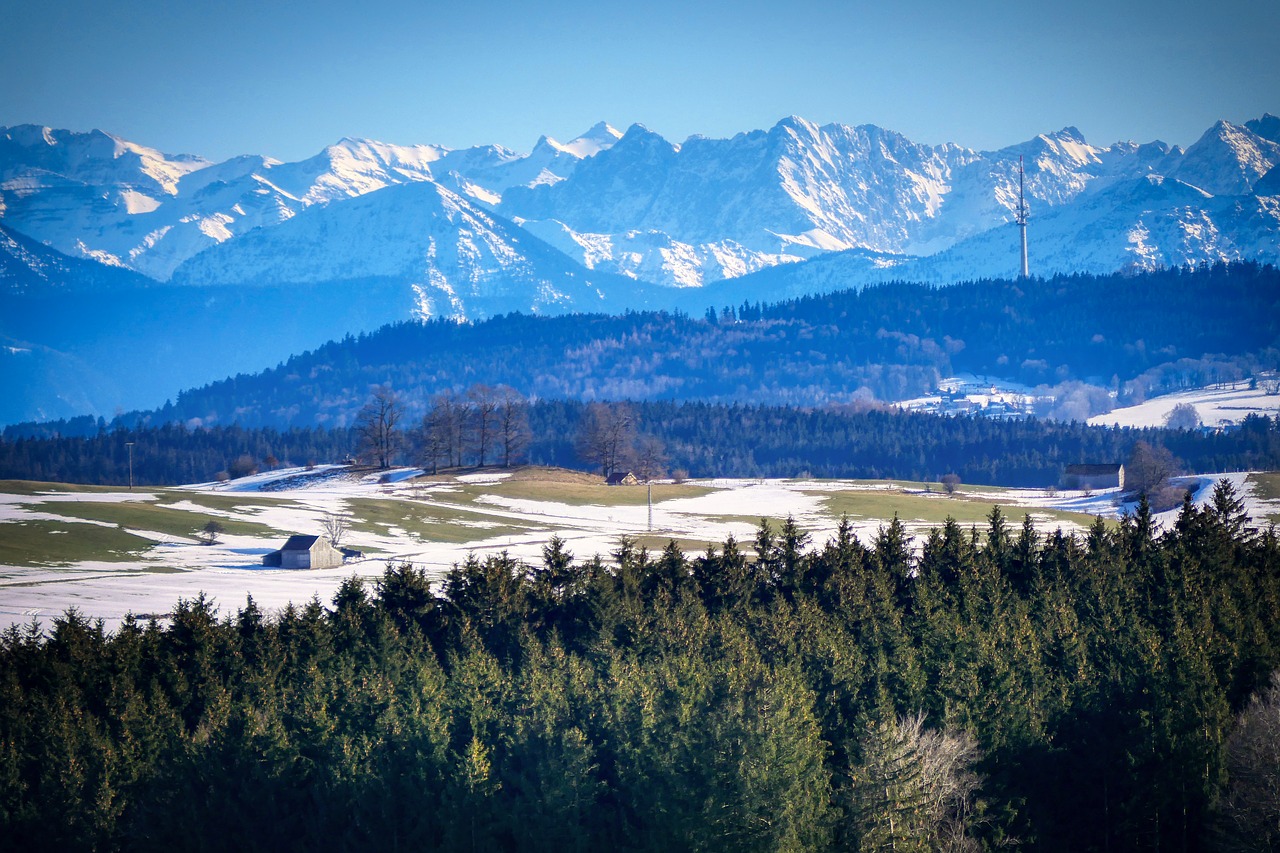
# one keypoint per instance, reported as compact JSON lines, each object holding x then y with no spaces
{"x":285,"y":79}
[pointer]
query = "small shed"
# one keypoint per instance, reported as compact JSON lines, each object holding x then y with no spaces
{"x":305,"y":552}
{"x":621,"y":478}
{"x":1093,"y":477}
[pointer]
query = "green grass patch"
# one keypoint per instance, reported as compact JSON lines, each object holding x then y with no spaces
{"x":691,"y":547}
{"x":236,"y":502}
{"x":883,"y":505}
{"x":775,"y":524}
{"x":145,"y":515}
{"x":1266,"y":486}
{"x":587,"y":494}
{"x":427,"y":523}
{"x":61,"y":543}
{"x":904,"y":485}
{"x":33,"y":487}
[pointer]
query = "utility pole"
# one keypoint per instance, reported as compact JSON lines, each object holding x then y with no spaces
{"x":650,"y":483}
{"x":1020,"y":216}
{"x":129,"y":444}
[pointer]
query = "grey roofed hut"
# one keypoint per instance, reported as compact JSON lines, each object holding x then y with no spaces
{"x":305,"y":552}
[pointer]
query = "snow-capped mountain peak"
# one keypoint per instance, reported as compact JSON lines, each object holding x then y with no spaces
{"x":1268,"y":127}
{"x":600,"y":137}
{"x":1228,"y":159}
{"x":92,"y":158}
{"x":638,"y":205}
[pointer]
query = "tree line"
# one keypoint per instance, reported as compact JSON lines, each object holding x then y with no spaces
{"x":986,"y":689}
{"x":487,"y":425}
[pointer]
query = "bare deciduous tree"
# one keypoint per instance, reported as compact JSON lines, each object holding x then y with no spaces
{"x":651,"y":458}
{"x":1149,"y":467}
{"x":606,"y":436}
{"x":436,"y":436}
{"x":513,"y":424}
{"x":445,"y":424}
{"x":485,"y":403}
{"x":1248,"y":814}
{"x":376,"y":425}
{"x":914,"y":788}
{"x":334,"y":527}
{"x":459,"y":424}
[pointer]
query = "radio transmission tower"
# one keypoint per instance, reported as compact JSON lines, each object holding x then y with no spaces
{"x":1020,"y":216}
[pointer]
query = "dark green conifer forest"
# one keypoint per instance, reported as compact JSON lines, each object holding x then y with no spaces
{"x":990,"y":688}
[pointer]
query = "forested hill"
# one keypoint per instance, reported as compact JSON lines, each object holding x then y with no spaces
{"x":1153,"y":331}
{"x":998,"y":692}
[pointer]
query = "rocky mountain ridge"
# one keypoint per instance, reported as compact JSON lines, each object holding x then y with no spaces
{"x":636,"y":206}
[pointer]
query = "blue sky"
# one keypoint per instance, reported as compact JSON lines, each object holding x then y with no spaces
{"x":287,"y":79}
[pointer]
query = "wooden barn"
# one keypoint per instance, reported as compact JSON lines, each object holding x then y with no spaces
{"x":305,"y":552}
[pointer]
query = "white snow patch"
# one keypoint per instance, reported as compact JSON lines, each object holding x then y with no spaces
{"x":487,"y":477}
{"x":1217,"y":407}
{"x":296,"y":500}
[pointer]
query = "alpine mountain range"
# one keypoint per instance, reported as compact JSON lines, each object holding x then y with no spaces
{"x":373,"y":232}
{"x":510,"y":231}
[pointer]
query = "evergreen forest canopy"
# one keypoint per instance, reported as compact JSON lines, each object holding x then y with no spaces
{"x":1059,"y":693}
{"x":698,"y":439}
{"x":1135,"y":334}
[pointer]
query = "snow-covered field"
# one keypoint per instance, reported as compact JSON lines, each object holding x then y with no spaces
{"x":1216,"y":407}
{"x":435,"y":523}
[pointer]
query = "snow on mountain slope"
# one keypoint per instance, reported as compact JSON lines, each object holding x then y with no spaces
{"x":600,"y":137}
{"x":459,"y":259}
{"x":1228,"y":160}
{"x":799,"y":190}
{"x":1143,"y":223}
{"x":689,"y":214}
{"x":28,"y":266}
{"x":487,"y":173}
{"x":653,"y":256}
{"x":95,"y":158}
{"x":66,"y":189}
{"x":352,"y":167}
{"x":96,"y":196}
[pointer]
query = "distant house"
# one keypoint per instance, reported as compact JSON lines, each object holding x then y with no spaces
{"x":1093,"y":477}
{"x":305,"y":552}
{"x":620,"y":478}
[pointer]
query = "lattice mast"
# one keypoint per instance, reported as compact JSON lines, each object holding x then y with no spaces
{"x":1020,"y":216}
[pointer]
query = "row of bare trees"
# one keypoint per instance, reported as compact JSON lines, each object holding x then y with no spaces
{"x":486,"y":425}
{"x":376,"y":425}
{"x":608,"y":438}
{"x":489,"y":425}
